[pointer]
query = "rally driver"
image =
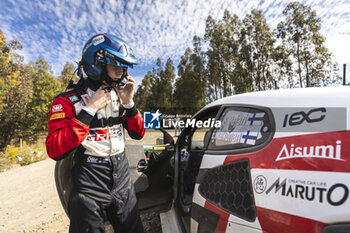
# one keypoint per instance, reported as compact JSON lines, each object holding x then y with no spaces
{"x":87,"y":122}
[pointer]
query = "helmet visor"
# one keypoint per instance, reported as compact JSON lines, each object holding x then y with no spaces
{"x":113,"y":60}
{"x":119,"y":46}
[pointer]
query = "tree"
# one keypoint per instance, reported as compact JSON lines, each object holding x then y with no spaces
{"x":143,"y":93}
{"x":189,"y":87}
{"x":8,"y":70}
{"x":67,"y":74}
{"x":188,"y":93}
{"x":152,"y":100}
{"x":45,"y":88}
{"x":161,"y":87}
{"x":300,"y":32}
{"x":223,"y":67}
{"x":257,"y":52}
{"x":156,"y":89}
{"x":242,"y":56}
{"x":15,"y":91}
{"x":283,"y":66}
{"x":166,"y":86}
{"x":198,"y":63}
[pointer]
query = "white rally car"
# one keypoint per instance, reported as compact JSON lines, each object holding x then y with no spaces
{"x":279,"y":162}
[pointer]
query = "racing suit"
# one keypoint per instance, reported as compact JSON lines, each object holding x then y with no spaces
{"x":101,"y":185}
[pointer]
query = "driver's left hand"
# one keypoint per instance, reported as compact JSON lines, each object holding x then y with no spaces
{"x":126,"y":93}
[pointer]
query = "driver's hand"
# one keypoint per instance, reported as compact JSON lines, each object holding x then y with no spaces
{"x":127,"y":92}
{"x":99,"y":99}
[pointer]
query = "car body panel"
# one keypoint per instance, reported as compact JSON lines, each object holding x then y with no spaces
{"x":323,"y":168}
{"x":294,"y":176}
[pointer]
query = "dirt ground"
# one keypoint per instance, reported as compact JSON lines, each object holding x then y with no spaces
{"x":29,"y":200}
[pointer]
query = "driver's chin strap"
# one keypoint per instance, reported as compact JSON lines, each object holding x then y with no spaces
{"x":108,"y":81}
{"x":105,"y":79}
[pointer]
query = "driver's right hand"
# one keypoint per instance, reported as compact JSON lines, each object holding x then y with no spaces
{"x":99,"y":99}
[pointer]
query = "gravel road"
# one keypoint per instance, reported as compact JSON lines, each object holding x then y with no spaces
{"x":29,"y":200}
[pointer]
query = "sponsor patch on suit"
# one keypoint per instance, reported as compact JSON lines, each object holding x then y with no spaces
{"x":57,"y":116}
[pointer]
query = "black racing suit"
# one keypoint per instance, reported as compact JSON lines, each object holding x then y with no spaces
{"x":101,"y":185}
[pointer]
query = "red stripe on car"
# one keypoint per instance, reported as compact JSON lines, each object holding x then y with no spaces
{"x":312,"y":152}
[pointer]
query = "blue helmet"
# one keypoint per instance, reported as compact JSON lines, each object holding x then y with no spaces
{"x":104,"y":49}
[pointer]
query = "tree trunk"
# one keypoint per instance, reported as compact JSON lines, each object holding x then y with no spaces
{"x":307,"y":73}
{"x":299,"y":68}
{"x":258,"y":78}
{"x":264,"y":77}
{"x":224,"y":84}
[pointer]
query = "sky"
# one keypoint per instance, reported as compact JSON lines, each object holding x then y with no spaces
{"x":57,"y":30}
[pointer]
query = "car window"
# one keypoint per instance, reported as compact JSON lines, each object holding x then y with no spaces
{"x":198,"y":136}
{"x":241,"y":128}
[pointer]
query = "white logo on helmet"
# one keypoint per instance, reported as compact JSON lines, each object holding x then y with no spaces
{"x":98,"y":40}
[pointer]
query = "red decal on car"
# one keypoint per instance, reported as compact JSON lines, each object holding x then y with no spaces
{"x":312,"y":152}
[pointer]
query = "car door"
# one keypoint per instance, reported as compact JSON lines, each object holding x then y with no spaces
{"x":223,"y":198}
{"x":154,"y":186}
{"x":188,"y":157}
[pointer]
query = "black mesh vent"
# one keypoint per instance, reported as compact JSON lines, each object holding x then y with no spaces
{"x":229,"y":187}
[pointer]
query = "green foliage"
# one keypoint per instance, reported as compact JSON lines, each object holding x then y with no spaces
{"x":239,"y":56}
{"x":223,"y":54}
{"x":165,"y":88}
{"x":188,"y":93}
{"x":257,"y":51}
{"x":20,"y":155}
{"x":45,"y":88}
{"x":144,"y":92}
{"x":67,"y":74}
{"x":26,"y":92}
{"x":5,"y":164}
{"x":242,"y":56}
{"x":156,"y":90}
{"x":300,"y":33}
{"x":15,"y":89}
{"x":10,"y":153}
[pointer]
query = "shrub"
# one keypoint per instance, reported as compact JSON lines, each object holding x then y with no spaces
{"x":15,"y":155}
